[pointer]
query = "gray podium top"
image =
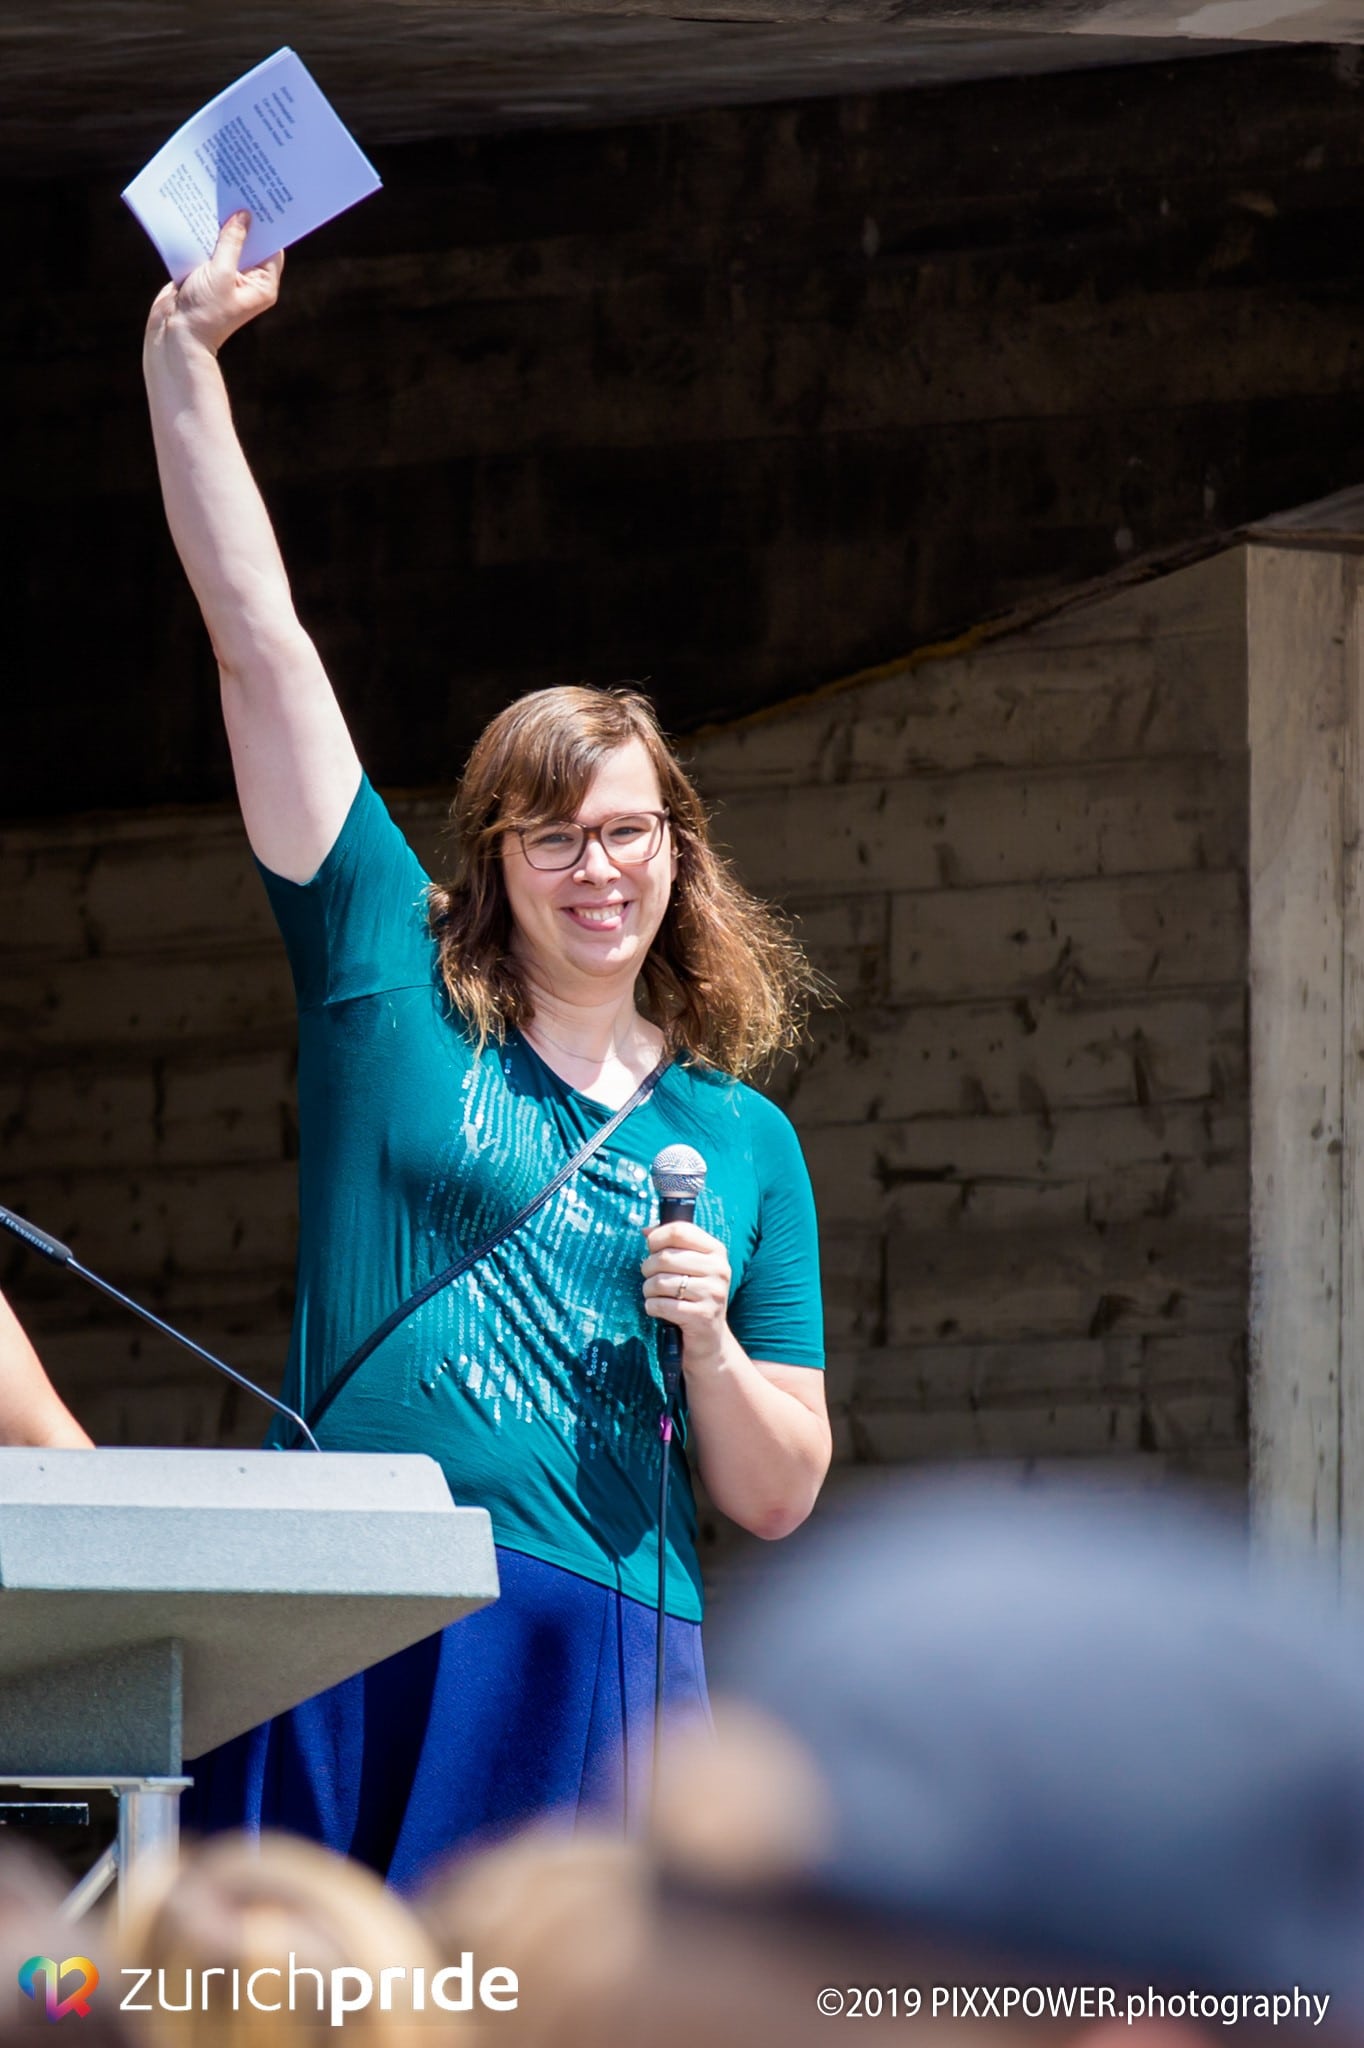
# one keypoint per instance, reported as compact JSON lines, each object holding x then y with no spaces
{"x":238,"y":1582}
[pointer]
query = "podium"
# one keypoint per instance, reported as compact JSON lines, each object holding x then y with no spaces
{"x":155,"y":1603}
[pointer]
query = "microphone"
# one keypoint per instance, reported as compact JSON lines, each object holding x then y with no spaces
{"x":49,"y":1247}
{"x":678,"y":1175}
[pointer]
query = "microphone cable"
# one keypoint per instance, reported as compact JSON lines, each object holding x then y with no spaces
{"x":678,"y":1175}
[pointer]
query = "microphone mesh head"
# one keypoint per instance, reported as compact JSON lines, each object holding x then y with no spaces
{"x":677,"y":1172}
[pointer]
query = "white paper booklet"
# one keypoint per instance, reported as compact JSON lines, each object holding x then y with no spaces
{"x":271,"y":142}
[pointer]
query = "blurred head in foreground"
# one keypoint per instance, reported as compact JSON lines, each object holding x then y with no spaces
{"x":216,"y":1934}
{"x":572,"y":1915}
{"x":32,"y":1931}
{"x":995,"y":1741}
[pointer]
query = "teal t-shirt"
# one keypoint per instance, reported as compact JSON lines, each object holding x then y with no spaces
{"x":533,"y":1380}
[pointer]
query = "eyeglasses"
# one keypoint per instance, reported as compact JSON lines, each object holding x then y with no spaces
{"x":627,"y":841}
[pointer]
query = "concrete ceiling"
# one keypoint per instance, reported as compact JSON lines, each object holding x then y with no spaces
{"x":105,"y":81}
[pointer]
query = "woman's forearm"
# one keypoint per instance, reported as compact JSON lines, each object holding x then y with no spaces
{"x":762,"y":1454}
{"x":216,"y":514}
{"x":31,"y":1410}
{"x":296,"y":768}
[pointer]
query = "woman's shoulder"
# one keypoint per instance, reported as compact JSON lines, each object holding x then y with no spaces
{"x":731,"y":1102}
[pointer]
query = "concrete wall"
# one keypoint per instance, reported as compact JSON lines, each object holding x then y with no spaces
{"x":1023,"y":867}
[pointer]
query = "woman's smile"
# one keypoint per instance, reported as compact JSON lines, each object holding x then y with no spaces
{"x":597,"y":917}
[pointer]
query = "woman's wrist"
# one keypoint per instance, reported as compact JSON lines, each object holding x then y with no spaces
{"x":173,"y":343}
{"x":710,"y":1354}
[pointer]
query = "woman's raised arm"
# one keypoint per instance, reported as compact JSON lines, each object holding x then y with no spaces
{"x":296,"y":767}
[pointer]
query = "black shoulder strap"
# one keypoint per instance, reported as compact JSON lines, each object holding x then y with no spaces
{"x":461,"y":1266}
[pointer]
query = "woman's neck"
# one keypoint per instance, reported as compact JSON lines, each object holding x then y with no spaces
{"x":596,"y":1042}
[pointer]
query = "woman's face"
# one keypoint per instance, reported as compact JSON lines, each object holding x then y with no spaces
{"x":580,"y":930}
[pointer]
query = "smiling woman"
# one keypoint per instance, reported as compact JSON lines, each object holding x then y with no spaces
{"x":458,"y":1045}
{"x":719,"y":976}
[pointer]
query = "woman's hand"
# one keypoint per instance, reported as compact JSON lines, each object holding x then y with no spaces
{"x":217,"y":298}
{"x":687,"y":1281}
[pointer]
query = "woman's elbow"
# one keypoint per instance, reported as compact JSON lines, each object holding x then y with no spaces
{"x":780,"y":1522}
{"x":783,"y":1517}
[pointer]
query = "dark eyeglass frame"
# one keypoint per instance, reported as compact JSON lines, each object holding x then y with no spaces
{"x":587,"y":833}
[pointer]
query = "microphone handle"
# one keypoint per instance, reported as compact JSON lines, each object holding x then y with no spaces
{"x":39,"y":1241}
{"x":673,"y":1209}
{"x":61,"y":1255}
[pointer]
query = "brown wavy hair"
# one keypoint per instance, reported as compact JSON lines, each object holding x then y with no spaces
{"x":724,"y":980}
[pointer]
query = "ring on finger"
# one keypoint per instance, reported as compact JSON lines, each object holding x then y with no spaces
{"x":682,"y":1288}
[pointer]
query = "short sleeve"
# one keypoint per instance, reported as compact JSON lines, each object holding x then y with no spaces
{"x":777,"y":1312}
{"x":360,"y":924}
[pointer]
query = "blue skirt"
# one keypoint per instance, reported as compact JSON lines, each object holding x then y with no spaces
{"x":541,"y":1704}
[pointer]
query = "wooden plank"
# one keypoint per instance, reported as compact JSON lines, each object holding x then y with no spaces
{"x":1106,"y":933}
{"x":132,"y":1227}
{"x":82,"y":834}
{"x":223,"y":1308}
{"x":1153,"y":1277}
{"x":981,"y":1174}
{"x":1022,"y":708}
{"x":196,"y":891}
{"x":1189,"y":1364}
{"x":192,"y":1109}
{"x":174,"y":1413}
{"x":852,"y":1278}
{"x":1184,"y":1424}
{"x":1000,"y":1059}
{"x":1298,"y":606}
{"x":848,"y":939}
{"x":1045,"y":1399}
{"x":991,"y":827}
{"x":177,"y":881}
{"x":40,"y":909}
{"x":982,"y":1209}
{"x":786,"y":367}
{"x":1147,"y":672}
{"x":128,"y":1384}
{"x":929,"y":1376}
{"x":87,"y":1362}
{"x":1222,"y":1469}
{"x":74,"y":1117}
{"x":925,"y":1377}
{"x":1061,"y":1429}
{"x":133,"y":1002}
{"x":1194,"y":1434}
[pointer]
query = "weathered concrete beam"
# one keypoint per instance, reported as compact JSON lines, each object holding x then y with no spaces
{"x":105,"y":83}
{"x":1305,"y":592}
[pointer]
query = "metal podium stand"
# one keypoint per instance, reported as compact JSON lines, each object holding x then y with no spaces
{"x":155,"y":1603}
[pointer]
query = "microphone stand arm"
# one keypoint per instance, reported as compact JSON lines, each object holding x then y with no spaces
{"x":52,"y":1248}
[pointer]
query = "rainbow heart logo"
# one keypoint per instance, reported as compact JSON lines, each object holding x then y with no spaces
{"x":42,"y":1970}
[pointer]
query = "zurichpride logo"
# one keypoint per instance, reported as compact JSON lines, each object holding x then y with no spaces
{"x":42,"y":1970}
